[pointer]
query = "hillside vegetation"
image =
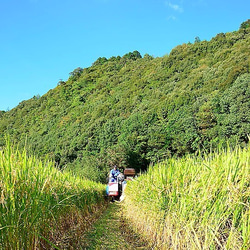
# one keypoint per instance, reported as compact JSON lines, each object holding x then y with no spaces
{"x":194,"y":202}
{"x":133,"y":110}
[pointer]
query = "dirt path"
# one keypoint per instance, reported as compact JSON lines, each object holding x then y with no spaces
{"x":111,"y":232}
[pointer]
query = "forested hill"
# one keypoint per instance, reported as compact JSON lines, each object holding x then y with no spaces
{"x":133,"y":110}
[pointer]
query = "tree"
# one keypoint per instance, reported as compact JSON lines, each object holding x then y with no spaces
{"x":132,"y":55}
{"x":76,"y":73}
{"x":100,"y":61}
{"x":197,"y":39}
{"x":148,"y":57}
{"x":245,"y":24}
{"x":61,"y":82}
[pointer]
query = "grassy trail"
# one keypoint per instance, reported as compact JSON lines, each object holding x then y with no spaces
{"x":111,"y":232}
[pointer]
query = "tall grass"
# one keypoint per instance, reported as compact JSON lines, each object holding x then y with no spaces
{"x":36,"y":201}
{"x":194,"y":202}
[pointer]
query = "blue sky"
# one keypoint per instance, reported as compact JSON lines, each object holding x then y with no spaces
{"x":42,"y":41}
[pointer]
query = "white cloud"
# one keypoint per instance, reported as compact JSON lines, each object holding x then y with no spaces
{"x":175,"y":7}
{"x":173,"y":18}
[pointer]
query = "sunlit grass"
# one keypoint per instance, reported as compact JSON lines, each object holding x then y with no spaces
{"x":37,"y":200}
{"x":194,"y":202}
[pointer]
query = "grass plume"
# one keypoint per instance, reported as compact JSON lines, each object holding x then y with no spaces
{"x":197,"y":202}
{"x":38,"y":202}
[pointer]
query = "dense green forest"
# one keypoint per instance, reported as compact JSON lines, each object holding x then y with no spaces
{"x":132,"y":110}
